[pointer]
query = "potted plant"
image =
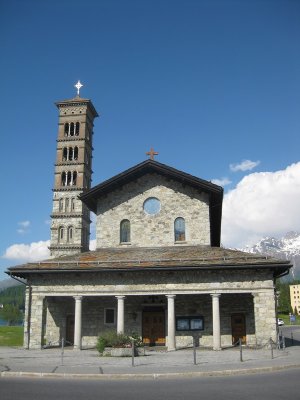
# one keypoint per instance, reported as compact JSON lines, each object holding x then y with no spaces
{"x":115,"y":344}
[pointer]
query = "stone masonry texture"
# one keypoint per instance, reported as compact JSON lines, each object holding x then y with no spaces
{"x":153,"y":230}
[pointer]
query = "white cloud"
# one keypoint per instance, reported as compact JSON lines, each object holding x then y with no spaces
{"x":246,"y":165}
{"x":24,"y":224}
{"x":93,"y":244}
{"x":24,"y":227}
{"x":221,"y":182}
{"x":35,"y":251}
{"x":262,"y":204}
{"x":28,"y":252}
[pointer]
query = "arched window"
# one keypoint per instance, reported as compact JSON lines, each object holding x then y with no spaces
{"x":60,"y":234}
{"x":179,"y":229}
{"x":70,"y":234}
{"x":61,"y":204}
{"x":69,"y":178}
{"x":63,"y":179}
{"x":77,"y":128}
{"x":74,"y":178}
{"x":65,"y":154}
{"x":67,"y":205}
{"x":75,"y":153}
{"x":72,"y":128}
{"x":125,"y":231}
{"x":67,"y":127}
{"x":73,"y":204}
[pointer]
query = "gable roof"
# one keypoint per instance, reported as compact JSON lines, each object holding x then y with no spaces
{"x":215,"y":192}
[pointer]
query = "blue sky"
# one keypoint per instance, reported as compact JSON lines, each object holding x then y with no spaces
{"x":212,"y":85}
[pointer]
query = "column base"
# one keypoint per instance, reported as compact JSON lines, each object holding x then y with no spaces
{"x":171,"y":349}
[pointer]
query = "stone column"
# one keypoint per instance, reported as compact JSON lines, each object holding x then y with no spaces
{"x":120,"y":314}
{"x":216,"y":321}
{"x":35,"y":327}
{"x":27,"y":318}
{"x":265,"y":316}
{"x":171,"y":322}
{"x":77,"y":327}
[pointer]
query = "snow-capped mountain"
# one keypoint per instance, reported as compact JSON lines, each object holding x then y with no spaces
{"x":287,"y":248}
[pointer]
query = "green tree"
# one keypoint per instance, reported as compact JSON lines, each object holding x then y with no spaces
{"x":11,"y":314}
{"x":14,"y":295}
{"x":284,"y":302}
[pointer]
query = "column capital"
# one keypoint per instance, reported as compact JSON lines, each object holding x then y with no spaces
{"x":215,"y":294}
{"x":170,"y":296}
{"x":120,"y":297}
{"x":78,"y":298}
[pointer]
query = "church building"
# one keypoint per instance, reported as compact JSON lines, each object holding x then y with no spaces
{"x":158,"y":269}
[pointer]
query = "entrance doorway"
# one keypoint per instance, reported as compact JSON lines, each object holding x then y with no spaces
{"x":70,"y":330}
{"x":154,"y":328}
{"x":238,"y":328}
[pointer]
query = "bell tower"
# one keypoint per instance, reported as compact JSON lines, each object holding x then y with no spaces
{"x":70,"y":227}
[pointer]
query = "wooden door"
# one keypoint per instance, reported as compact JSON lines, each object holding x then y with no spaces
{"x":70,"y":330}
{"x":238,"y":327}
{"x":154,"y":328}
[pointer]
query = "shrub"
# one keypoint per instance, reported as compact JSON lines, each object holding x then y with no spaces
{"x":138,"y":342}
{"x":113,"y":339}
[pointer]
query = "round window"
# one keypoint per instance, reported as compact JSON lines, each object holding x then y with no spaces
{"x":152,"y":206}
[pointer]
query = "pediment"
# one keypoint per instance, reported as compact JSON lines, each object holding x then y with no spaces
{"x":215,"y":192}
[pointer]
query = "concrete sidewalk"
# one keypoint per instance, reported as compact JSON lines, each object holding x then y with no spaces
{"x":155,"y":364}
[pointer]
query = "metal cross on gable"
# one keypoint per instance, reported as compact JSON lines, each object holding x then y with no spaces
{"x":151,"y":153}
{"x":78,"y":87}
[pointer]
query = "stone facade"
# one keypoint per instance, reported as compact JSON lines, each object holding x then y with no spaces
{"x":70,"y":227}
{"x":153,"y":230}
{"x":53,"y":302}
{"x":165,"y":281}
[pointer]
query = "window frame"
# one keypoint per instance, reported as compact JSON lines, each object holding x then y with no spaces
{"x":178,"y":233}
{"x":189,"y":320}
{"x":105,"y":316}
{"x":127,"y":231}
{"x":61,"y":234}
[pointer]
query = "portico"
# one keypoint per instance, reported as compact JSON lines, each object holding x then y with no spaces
{"x":165,"y":306}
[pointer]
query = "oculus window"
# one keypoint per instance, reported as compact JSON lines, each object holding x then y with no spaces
{"x":151,"y":206}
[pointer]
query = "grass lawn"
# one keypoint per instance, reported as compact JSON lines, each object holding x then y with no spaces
{"x":11,"y":335}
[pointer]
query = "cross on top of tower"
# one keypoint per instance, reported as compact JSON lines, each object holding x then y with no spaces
{"x":78,"y":87}
{"x":152,"y":153}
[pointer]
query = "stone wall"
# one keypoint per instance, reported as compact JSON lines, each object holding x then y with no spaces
{"x":71,"y":213}
{"x":265,"y":316}
{"x":153,"y":230}
{"x":93,"y":317}
{"x":36,"y":321}
{"x":193,"y":298}
{"x":152,"y":282}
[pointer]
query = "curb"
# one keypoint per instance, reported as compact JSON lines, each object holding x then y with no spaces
{"x":168,"y":375}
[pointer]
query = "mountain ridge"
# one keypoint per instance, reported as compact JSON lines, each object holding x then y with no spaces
{"x":285,"y":248}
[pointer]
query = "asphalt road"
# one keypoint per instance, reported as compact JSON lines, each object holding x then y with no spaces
{"x":268,"y":386}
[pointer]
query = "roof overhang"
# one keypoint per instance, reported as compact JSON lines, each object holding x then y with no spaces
{"x":196,"y":258}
